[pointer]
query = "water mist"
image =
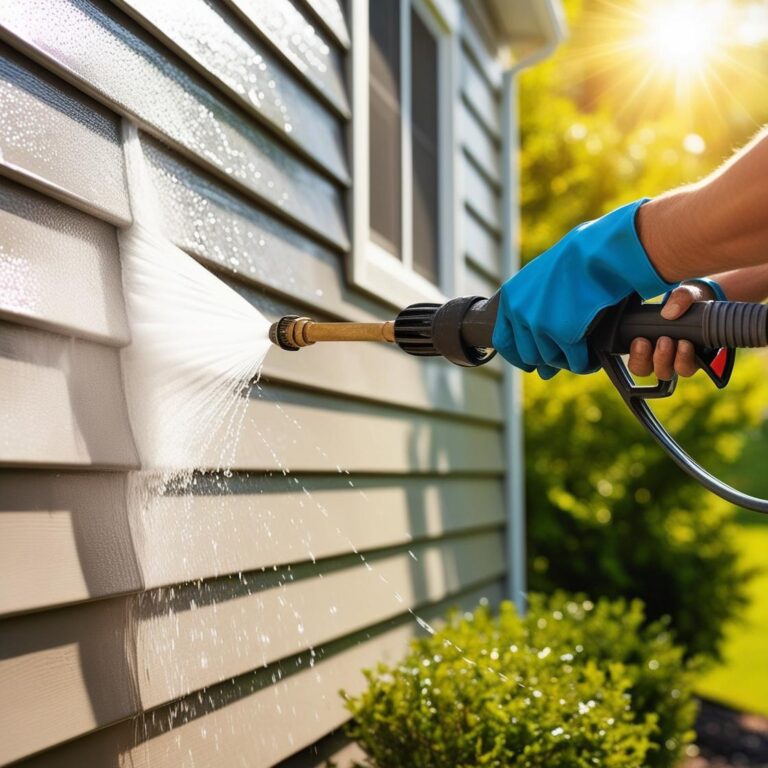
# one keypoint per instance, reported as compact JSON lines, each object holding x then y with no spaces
{"x":195,"y":343}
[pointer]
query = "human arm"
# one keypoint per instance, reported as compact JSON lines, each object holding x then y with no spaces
{"x":717,"y":224}
{"x":646,"y":247}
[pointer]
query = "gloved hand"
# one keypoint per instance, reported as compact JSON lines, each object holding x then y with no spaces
{"x":547,"y":307}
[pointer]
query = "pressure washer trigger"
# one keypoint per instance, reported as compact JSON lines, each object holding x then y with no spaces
{"x":717,"y":364}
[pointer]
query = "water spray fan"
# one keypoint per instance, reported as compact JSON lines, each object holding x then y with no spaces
{"x":461,"y":331}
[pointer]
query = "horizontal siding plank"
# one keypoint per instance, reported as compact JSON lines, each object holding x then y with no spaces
{"x":310,"y":704}
{"x":59,"y":268}
{"x":167,"y":99}
{"x":71,"y":536}
{"x":74,"y":669}
{"x":387,"y":375}
{"x":480,"y":42}
{"x":281,"y":24}
{"x":333,"y":750}
{"x":61,"y":402}
{"x":204,"y":218}
{"x":478,"y":283}
{"x":215,"y":42}
{"x":63,"y":673}
{"x":480,"y":196}
{"x":64,"y":538}
{"x":479,"y":96}
{"x":266,"y":722}
{"x":479,"y":144}
{"x":331,"y":15}
{"x":74,"y":387}
{"x":259,"y":522}
{"x":299,"y":431}
{"x":481,"y":245}
{"x":60,"y":141}
{"x":191,"y":638}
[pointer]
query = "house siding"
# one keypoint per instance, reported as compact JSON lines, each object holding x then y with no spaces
{"x":403,"y":459}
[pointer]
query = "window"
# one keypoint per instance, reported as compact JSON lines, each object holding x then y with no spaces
{"x":425,"y":215}
{"x":403,"y":251}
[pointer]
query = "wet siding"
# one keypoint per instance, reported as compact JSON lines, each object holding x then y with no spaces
{"x":218,"y":632}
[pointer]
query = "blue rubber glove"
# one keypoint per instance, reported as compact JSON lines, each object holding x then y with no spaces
{"x":548,"y":306}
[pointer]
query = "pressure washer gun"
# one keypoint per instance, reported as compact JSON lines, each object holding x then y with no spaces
{"x":461,"y":331}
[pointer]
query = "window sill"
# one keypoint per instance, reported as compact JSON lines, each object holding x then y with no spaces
{"x":381,"y":274}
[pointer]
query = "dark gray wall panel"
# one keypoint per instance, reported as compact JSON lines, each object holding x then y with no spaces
{"x":330,"y":14}
{"x":482,"y":246}
{"x":299,"y":42}
{"x":169,"y":100}
{"x":479,"y":96}
{"x":479,"y":145}
{"x":214,"y":40}
{"x":481,"y":196}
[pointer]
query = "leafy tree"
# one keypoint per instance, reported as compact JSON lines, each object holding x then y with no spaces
{"x":609,"y":514}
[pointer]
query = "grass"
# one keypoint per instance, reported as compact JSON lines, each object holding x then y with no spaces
{"x":742,"y":680}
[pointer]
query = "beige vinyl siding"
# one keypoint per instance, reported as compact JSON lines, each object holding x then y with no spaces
{"x":218,"y":629}
{"x":59,"y":268}
{"x":83,"y":164}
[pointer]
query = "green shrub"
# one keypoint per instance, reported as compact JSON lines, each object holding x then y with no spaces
{"x":570,"y":685}
{"x":610,"y":515}
{"x":611,"y":631}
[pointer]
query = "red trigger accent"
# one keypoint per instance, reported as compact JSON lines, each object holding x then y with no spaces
{"x":718,"y":364}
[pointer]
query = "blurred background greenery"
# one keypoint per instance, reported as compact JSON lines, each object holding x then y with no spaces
{"x":644,"y":96}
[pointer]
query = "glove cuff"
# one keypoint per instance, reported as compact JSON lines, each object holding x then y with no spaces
{"x":713,"y":286}
{"x":647,"y":281}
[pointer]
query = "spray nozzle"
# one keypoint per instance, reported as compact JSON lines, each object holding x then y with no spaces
{"x":293,"y":332}
{"x":459,"y":330}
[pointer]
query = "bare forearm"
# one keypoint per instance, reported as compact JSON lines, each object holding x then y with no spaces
{"x":748,"y":284}
{"x":719,"y":224}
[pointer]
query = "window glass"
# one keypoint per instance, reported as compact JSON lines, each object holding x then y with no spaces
{"x":384,"y":120}
{"x":424,"y":142}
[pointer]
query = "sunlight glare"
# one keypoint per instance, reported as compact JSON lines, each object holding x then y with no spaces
{"x":683,"y":35}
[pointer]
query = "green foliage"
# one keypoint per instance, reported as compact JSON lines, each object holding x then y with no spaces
{"x":596,"y":134}
{"x":608,"y":512}
{"x":572,"y":684}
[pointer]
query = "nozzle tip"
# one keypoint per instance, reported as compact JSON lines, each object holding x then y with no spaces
{"x":281,"y":333}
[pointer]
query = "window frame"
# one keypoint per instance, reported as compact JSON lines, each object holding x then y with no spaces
{"x":372,"y":267}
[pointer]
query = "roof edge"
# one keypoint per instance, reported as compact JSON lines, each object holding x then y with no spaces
{"x":529,"y":30}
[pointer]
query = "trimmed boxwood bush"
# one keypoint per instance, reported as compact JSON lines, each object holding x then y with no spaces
{"x":610,"y":515}
{"x":570,"y":685}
